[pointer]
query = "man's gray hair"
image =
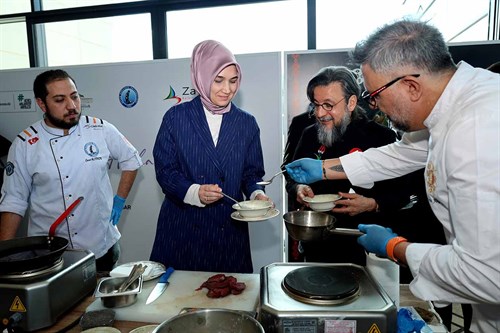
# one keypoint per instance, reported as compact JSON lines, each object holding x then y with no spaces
{"x":345,"y":77}
{"x":405,"y":43}
{"x":331,"y":74}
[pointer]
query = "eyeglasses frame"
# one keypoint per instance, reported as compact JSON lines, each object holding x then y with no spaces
{"x":315,"y":106}
{"x":370,"y":97}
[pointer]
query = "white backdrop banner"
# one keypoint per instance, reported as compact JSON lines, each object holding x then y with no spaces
{"x":134,"y":97}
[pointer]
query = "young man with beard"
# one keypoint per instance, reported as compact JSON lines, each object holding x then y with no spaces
{"x":63,"y":157}
{"x":342,"y":127}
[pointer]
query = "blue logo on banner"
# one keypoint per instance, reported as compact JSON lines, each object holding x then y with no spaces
{"x":128,"y":96}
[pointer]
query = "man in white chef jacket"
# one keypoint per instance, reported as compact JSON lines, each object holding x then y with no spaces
{"x":451,"y":116}
{"x":63,"y":157}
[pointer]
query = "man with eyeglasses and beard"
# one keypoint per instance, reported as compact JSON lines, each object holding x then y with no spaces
{"x":63,"y":157}
{"x":342,"y":127}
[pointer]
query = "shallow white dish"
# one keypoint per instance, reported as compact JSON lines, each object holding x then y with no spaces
{"x":144,"y":329}
{"x":102,"y":329}
{"x":154,"y":270}
{"x":270,"y":214}
{"x":253,"y":208}
{"x":322,"y":202}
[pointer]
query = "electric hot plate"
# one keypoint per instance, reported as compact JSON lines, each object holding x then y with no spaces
{"x":320,"y":298}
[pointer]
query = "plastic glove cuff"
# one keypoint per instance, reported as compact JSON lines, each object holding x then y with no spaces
{"x":118,"y":199}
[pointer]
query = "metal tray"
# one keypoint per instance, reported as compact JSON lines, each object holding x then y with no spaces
{"x":107,"y":287}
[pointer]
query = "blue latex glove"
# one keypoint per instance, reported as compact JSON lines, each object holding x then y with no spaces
{"x":406,"y":323}
{"x":375,"y":238}
{"x":305,"y":170}
{"x":116,"y":212}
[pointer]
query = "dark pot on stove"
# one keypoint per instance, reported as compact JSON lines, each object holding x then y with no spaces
{"x":312,"y":226}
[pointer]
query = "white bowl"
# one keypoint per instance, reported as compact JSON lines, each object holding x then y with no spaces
{"x":322,"y":202}
{"x":253,"y":208}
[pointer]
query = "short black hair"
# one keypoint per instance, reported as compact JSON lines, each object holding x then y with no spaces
{"x":41,"y":81}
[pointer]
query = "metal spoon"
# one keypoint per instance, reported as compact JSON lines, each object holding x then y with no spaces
{"x":227,"y":196}
{"x":136,"y":272}
{"x":267,"y":182}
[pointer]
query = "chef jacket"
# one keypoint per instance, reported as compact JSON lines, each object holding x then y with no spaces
{"x":461,"y":154}
{"x":48,"y":171}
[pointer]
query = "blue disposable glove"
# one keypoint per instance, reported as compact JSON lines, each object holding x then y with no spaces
{"x":305,"y":170}
{"x":116,"y":212}
{"x":406,"y":323}
{"x":375,"y":238}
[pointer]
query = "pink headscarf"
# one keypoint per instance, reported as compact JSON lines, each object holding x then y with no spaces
{"x":208,"y":60}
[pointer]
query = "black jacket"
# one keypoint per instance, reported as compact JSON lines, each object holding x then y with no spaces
{"x":391,"y":195}
{"x":361,"y":135}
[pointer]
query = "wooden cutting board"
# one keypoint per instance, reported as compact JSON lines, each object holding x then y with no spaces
{"x":181,"y":294}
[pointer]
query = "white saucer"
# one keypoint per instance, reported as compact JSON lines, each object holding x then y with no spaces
{"x":102,"y":329}
{"x":154,"y":270}
{"x":144,"y":329}
{"x":270,"y":214}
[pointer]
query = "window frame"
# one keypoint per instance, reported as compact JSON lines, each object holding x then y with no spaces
{"x":157,"y":10}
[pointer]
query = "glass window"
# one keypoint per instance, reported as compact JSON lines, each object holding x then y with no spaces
{"x":60,"y":4}
{"x":101,"y":40}
{"x":13,"y":44}
{"x":472,"y":24}
{"x":340,"y":24}
{"x":251,"y":28}
{"x":14,"y":6}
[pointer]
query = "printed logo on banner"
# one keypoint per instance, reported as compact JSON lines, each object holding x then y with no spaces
{"x":171,"y":95}
{"x":187,"y":94}
{"x":128,"y":96}
{"x":86,"y":102}
{"x":17,"y":101}
{"x":23,"y":103}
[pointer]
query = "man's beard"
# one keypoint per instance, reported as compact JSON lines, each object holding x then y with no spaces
{"x":61,"y":123}
{"x":327,"y":136}
{"x":401,"y":115}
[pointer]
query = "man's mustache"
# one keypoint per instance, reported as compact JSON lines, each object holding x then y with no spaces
{"x":324,"y":119}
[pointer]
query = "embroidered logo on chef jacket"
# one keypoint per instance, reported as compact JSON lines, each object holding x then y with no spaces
{"x":29,"y":135}
{"x":92,"y":122}
{"x":430,"y":176}
{"x":92,"y":150}
{"x":9,"y":168}
{"x":33,"y":140}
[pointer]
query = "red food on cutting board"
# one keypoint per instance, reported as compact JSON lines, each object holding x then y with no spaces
{"x":221,"y":285}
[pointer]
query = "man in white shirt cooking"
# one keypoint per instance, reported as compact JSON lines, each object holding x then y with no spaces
{"x":451,"y":116}
{"x":63,"y":157}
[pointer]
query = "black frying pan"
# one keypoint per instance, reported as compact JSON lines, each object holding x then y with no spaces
{"x":31,"y":253}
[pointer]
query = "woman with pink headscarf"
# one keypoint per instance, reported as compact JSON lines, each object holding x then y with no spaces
{"x":206,"y":146}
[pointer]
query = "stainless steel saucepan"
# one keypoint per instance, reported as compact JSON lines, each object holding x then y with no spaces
{"x":312,"y":226}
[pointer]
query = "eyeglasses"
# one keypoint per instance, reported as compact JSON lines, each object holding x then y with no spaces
{"x":370,"y":98}
{"x":326,"y":106}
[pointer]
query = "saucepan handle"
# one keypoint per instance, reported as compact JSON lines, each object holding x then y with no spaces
{"x":344,"y":231}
